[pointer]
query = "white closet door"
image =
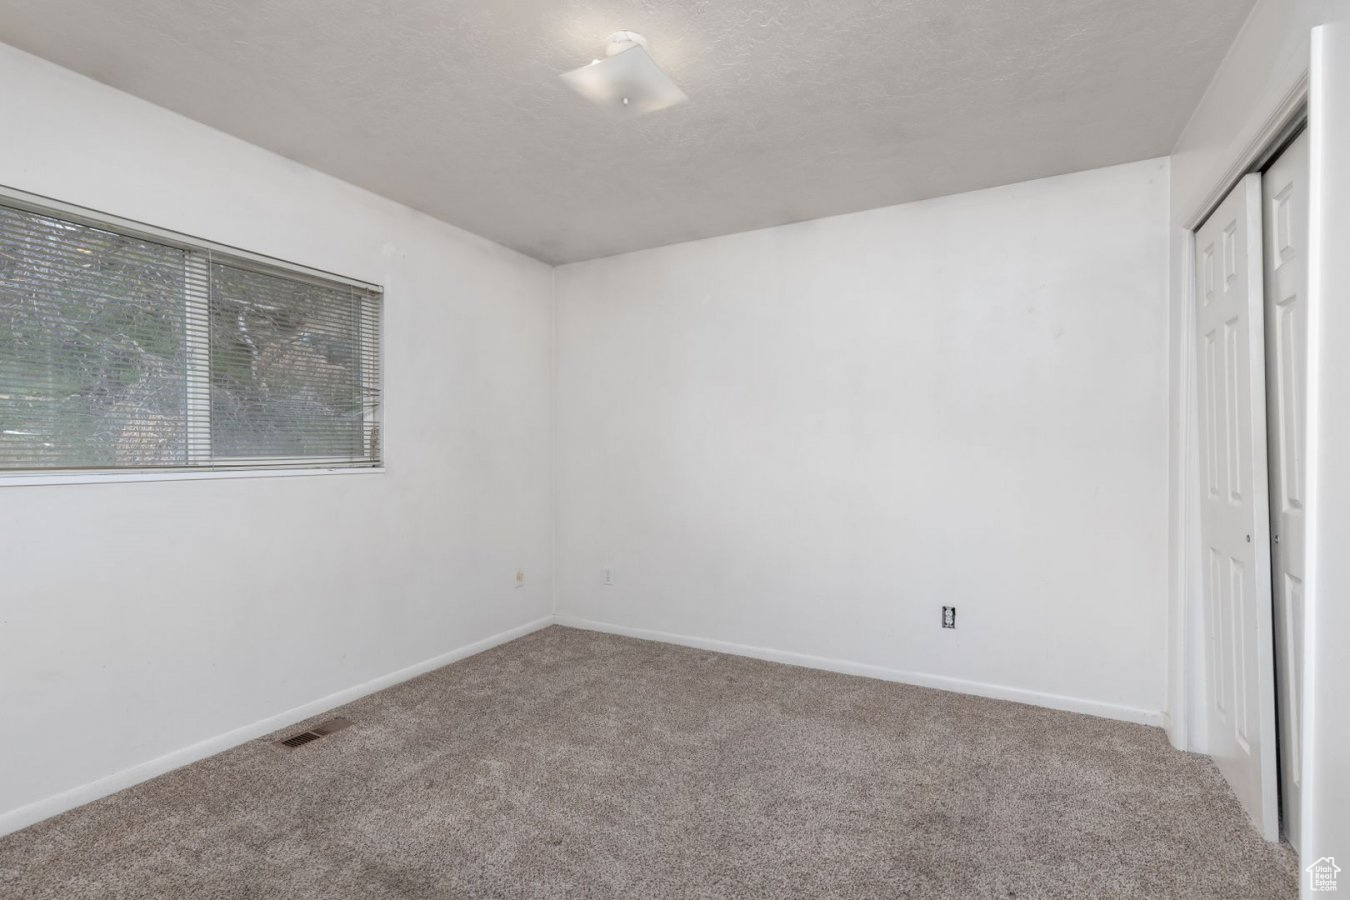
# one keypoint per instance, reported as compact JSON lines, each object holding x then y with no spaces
{"x":1234,"y":522}
{"x":1285,"y":209}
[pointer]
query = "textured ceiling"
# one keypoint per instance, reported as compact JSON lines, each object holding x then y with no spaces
{"x":799,"y":108}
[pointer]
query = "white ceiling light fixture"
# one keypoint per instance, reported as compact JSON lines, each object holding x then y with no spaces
{"x":628,"y":81}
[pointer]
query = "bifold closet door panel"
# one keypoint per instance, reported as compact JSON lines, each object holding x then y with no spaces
{"x":1234,"y":521}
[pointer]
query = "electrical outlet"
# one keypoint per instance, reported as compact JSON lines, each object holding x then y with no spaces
{"x":609,"y":575}
{"x":949,"y":617}
{"x":520,"y":578}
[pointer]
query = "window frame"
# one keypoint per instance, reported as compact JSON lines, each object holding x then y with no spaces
{"x":200,"y":253}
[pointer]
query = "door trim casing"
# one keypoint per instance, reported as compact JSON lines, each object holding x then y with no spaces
{"x":1280,"y":127}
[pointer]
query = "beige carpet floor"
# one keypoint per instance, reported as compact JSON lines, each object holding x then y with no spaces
{"x":574,"y":764}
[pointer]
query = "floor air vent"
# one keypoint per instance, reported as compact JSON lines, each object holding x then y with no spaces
{"x":318,"y":731}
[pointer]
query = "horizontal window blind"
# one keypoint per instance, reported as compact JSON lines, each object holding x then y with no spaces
{"x":122,"y":351}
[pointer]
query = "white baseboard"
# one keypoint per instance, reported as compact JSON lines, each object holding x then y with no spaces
{"x":921,"y":679}
{"x":15,"y":819}
{"x":24,"y":816}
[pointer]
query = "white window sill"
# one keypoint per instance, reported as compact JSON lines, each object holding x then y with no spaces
{"x":49,"y":478}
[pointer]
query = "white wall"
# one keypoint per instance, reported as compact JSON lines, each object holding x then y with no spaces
{"x":137,"y":620}
{"x":807,"y":439}
{"x":1326,"y":819}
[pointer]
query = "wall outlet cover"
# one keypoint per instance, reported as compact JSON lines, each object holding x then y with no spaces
{"x":949,"y":617}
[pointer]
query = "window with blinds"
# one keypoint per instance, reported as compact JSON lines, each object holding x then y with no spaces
{"x":123,"y":348}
